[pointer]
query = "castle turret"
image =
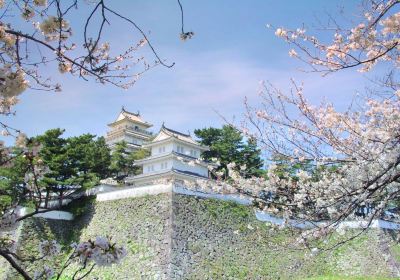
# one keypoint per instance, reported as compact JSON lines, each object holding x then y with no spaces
{"x":174,"y":155}
{"x":129,"y":127}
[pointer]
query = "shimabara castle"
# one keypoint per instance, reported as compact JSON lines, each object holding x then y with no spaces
{"x":173,"y":233}
{"x":174,"y":155}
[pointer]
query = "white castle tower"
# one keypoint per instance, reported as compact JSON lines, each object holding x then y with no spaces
{"x":129,"y":127}
{"x":174,"y":155}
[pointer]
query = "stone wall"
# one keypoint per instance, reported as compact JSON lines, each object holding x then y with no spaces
{"x":144,"y":225}
{"x":174,"y":236}
{"x":223,"y":240}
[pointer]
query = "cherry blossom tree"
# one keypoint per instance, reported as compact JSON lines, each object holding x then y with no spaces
{"x":36,"y":34}
{"x":339,"y":165}
{"x":355,"y":154}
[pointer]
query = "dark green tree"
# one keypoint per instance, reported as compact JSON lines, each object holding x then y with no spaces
{"x":90,"y":157}
{"x":120,"y":164}
{"x":53,"y":152}
{"x":251,"y":158}
{"x":227,"y":145}
{"x":12,"y":179}
{"x":74,"y":163}
{"x":137,"y":155}
{"x":122,"y":160}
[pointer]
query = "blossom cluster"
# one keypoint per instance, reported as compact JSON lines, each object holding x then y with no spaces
{"x":373,"y":40}
{"x":102,"y":251}
{"x":12,"y":84}
{"x":54,"y":28}
{"x":45,"y":273}
{"x":356,"y":156}
{"x":52,"y":35}
{"x":49,"y":248}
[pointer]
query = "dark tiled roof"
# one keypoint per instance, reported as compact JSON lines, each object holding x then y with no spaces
{"x":189,"y":173}
{"x":125,"y":111}
{"x":174,"y":131}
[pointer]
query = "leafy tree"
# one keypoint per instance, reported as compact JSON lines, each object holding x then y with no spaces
{"x":12,"y":179}
{"x":120,"y":164}
{"x":90,"y":158}
{"x":251,"y":158}
{"x":61,"y":172}
{"x":137,"y":155}
{"x":71,"y":164}
{"x":227,"y":145}
{"x":122,"y":160}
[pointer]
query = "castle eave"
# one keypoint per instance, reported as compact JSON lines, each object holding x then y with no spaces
{"x":171,"y":139}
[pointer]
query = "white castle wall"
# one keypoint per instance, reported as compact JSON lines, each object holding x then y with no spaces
{"x":168,"y":148}
{"x":199,"y":169}
{"x":134,"y":192}
{"x":187,"y":149}
{"x":157,"y":166}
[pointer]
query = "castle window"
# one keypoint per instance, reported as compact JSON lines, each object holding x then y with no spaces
{"x":164,"y":165}
{"x":150,"y":168}
{"x":161,"y":150}
{"x":180,"y":149}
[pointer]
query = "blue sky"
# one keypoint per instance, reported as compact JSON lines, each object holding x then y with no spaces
{"x":231,"y":52}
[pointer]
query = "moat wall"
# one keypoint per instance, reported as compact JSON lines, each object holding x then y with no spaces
{"x":174,"y":236}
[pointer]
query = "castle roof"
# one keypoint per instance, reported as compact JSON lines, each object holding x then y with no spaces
{"x":172,"y":173}
{"x":173,"y":154}
{"x":133,"y":117}
{"x":166,"y":133}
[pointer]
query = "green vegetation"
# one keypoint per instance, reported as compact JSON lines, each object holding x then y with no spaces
{"x":80,"y":161}
{"x":331,"y":277}
{"x":80,"y":206}
{"x":240,"y":247}
{"x":237,"y":211}
{"x":227,"y":145}
{"x":212,"y":240}
{"x":122,"y":160}
{"x":54,"y":165}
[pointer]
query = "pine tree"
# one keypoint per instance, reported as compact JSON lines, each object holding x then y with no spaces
{"x":227,"y":145}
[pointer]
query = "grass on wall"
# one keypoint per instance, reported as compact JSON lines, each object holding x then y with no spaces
{"x":212,"y":240}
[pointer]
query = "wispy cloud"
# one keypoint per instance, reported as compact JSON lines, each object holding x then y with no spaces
{"x":185,"y":97}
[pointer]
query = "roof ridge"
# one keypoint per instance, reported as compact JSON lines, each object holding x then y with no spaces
{"x":174,"y":131}
{"x":125,"y":111}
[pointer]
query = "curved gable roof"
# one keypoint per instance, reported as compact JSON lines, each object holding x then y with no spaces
{"x":167,"y":132}
{"x":134,"y":117}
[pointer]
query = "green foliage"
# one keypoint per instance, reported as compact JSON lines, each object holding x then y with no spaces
{"x":122,"y":161}
{"x":216,"y":208}
{"x":12,"y":179}
{"x":80,"y":206}
{"x":79,"y":161}
{"x":227,"y":145}
{"x":136,"y":248}
{"x":73,"y":163}
{"x":91,"y":157}
{"x":137,"y":155}
{"x":342,"y":277}
{"x":223,"y":240}
{"x":395,"y":249}
{"x":286,"y":166}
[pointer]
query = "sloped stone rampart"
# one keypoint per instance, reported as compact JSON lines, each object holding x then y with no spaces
{"x":175,"y":236}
